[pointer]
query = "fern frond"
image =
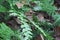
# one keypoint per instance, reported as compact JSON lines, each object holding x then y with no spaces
{"x":26,"y":29}
{"x":57,"y":20}
{"x":5,"y":32}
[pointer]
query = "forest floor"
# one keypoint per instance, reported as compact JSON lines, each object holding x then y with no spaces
{"x":14,"y":23}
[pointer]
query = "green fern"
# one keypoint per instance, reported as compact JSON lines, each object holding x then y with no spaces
{"x":26,"y":29}
{"x":5,"y":32}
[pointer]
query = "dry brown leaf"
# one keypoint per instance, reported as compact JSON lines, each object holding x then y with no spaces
{"x":41,"y":17}
{"x":24,"y":1}
{"x":40,"y":37}
{"x":19,"y":5}
{"x":57,"y":30}
{"x":33,"y":4}
{"x":57,"y":33}
{"x":29,"y":13}
{"x":13,"y":23}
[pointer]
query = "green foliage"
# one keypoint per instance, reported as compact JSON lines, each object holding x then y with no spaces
{"x":57,"y":20}
{"x":26,"y":33}
{"x":2,"y":9}
{"x":45,"y":5}
{"x":1,"y":1}
{"x":26,"y":29}
{"x":5,"y":32}
{"x":6,"y":5}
